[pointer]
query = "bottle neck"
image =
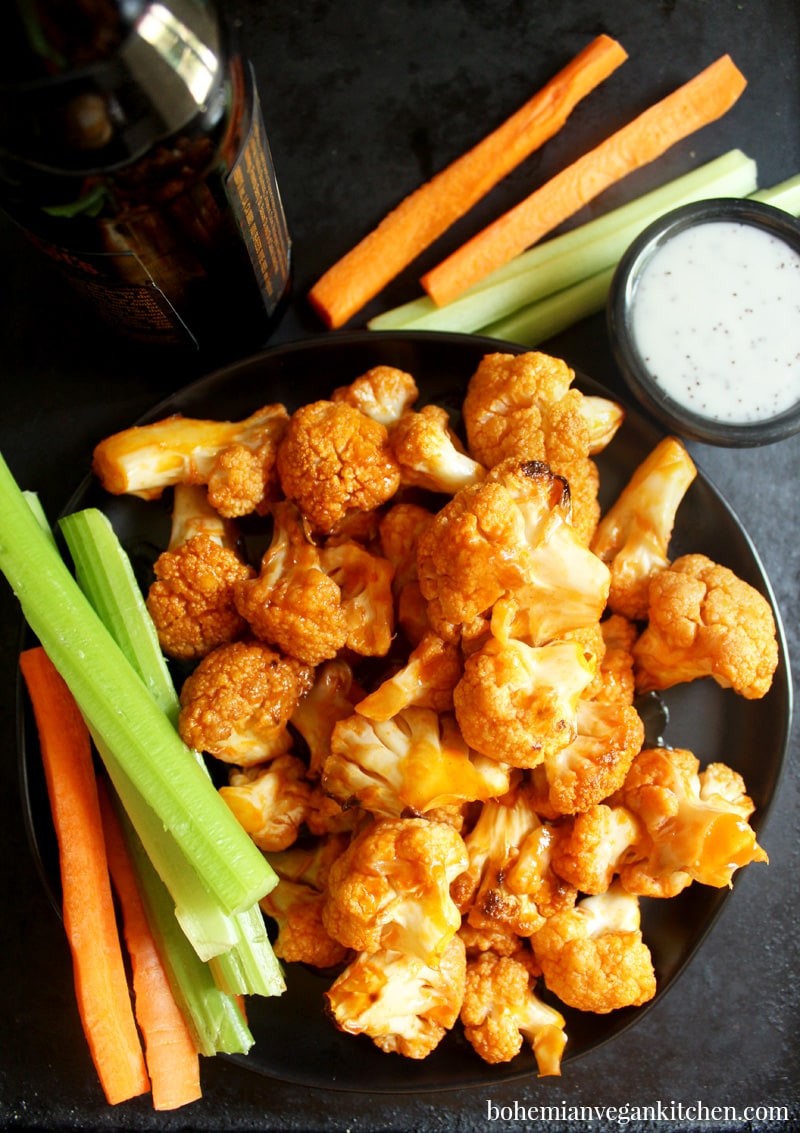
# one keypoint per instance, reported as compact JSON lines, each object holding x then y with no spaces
{"x":148,"y":70}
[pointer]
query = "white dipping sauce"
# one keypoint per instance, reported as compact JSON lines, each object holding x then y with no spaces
{"x":716,"y":320}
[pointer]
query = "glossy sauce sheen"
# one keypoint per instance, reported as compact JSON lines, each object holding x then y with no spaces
{"x":716,"y":320}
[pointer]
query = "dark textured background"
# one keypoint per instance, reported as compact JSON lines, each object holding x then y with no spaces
{"x":362,"y":102}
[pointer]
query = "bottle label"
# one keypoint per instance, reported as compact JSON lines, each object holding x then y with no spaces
{"x":123,"y":292}
{"x":256,"y":203}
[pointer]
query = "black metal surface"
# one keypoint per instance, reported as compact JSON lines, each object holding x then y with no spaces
{"x":361,"y":104}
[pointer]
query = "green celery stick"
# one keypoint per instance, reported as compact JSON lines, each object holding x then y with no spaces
{"x":555,"y":313}
{"x":785,"y":195}
{"x":212,"y":1014}
{"x":106,"y":576}
{"x":251,"y":967}
{"x":118,"y":707}
{"x":574,"y":256}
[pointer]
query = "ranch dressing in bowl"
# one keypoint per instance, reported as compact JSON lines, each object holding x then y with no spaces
{"x":704,"y":316}
{"x":716,"y":320}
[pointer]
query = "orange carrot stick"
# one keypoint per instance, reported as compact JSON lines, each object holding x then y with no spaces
{"x":101,"y":984}
{"x":427,"y":212}
{"x":172,"y":1059}
{"x":694,"y":105}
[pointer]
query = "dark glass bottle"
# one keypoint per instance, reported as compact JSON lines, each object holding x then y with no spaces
{"x":133,"y":153}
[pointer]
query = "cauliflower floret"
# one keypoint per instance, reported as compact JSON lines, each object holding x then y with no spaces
{"x":270,"y":801}
{"x":383,"y":393}
{"x":494,"y":938}
{"x":404,"y":1005}
{"x":430,"y":454}
{"x":615,"y":680}
{"x":565,"y":587}
{"x":595,"y":763}
{"x":302,"y":937}
{"x":332,"y":697}
{"x":191,"y":599}
{"x":696,"y":823}
{"x":365,"y":586}
{"x":592,"y":846}
{"x":501,"y":1010}
{"x":293,"y":603}
{"x":593,"y":957}
{"x":633,"y":536}
{"x":145,"y":459}
{"x":509,"y":884}
{"x":583,"y":478}
{"x":238,"y":701}
{"x":522,"y":406}
{"x":705,"y":621}
{"x":399,"y":532}
{"x":333,"y":460}
{"x":390,"y":889}
{"x":415,"y":760}
{"x":426,"y":680}
{"x":296,"y":903}
{"x":509,"y":538}
{"x":517,"y":702}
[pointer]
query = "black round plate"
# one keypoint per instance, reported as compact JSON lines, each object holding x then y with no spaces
{"x":295,"y":1042}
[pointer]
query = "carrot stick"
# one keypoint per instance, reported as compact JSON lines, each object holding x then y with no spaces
{"x":101,"y":984}
{"x":703,"y":99}
{"x":172,"y":1059}
{"x":427,"y":212}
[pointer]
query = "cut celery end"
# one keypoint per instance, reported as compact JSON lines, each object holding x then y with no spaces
{"x":785,"y":195}
{"x":106,"y":577}
{"x":556,"y":313}
{"x":212,"y":1015}
{"x":581,"y":252}
{"x":250,"y":967}
{"x":207,"y":927}
{"x":105,"y":574}
{"x":118,"y":707}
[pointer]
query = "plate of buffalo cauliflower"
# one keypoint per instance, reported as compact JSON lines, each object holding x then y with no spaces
{"x":485,"y":667}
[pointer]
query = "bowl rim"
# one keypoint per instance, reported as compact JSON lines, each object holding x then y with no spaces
{"x":648,"y":392}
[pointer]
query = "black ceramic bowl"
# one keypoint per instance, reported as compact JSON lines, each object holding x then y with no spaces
{"x":674,"y":385}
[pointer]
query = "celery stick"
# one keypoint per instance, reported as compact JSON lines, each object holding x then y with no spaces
{"x":105,"y":574}
{"x":785,"y":195}
{"x":250,"y":968}
{"x":212,"y":1014}
{"x":582,"y":252}
{"x":553,"y":314}
{"x":106,"y":577}
{"x":118,"y":707}
{"x":538,"y":321}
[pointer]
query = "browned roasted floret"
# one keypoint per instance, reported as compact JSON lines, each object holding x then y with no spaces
{"x":293,"y":603}
{"x":145,"y":459}
{"x":593,"y":956}
{"x":383,"y":393}
{"x":365,"y":589}
{"x":695,"y":823}
{"x":705,"y":621}
{"x":390,"y":889}
{"x":430,"y":454}
{"x":521,"y":405}
{"x":403,"y":1004}
{"x":237,"y":703}
{"x":271,"y":801}
{"x":332,"y":697}
{"x":191,"y":599}
{"x":501,"y":1011}
{"x":634,"y":534}
{"x":334,"y":459}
